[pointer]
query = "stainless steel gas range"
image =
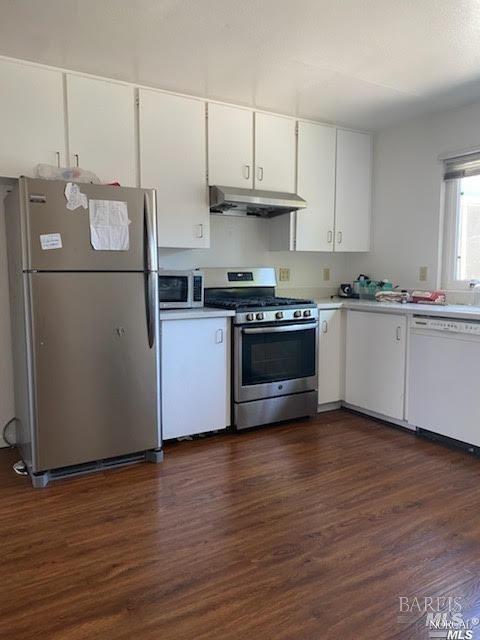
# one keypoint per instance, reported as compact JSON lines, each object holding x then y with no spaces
{"x":274,"y":357}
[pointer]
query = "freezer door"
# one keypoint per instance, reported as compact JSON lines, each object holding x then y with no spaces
{"x":45,"y":212}
{"x":96,"y":375}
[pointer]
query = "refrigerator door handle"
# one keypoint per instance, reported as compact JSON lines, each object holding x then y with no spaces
{"x":150,"y":249}
{"x":151,"y":300}
{"x":151,"y":292}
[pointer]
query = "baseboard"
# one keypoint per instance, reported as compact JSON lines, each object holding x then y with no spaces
{"x":329,"y":406}
{"x":379,"y":416}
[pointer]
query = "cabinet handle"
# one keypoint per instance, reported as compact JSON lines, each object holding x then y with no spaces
{"x":219,"y":336}
{"x":77,"y":159}
{"x":246,"y":172}
{"x":398,"y":333}
{"x":200,"y":231}
{"x":339,"y":237}
{"x":329,"y":237}
{"x":57,"y":153}
{"x":260,"y":174}
{"x":324,"y":326}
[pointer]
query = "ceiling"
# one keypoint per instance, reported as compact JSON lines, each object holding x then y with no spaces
{"x":362,"y":63}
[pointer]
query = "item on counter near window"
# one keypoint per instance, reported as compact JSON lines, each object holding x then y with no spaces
{"x":369,"y":288}
{"x":391,"y":296}
{"x":361,"y":280}
{"x":346,"y":291}
{"x":429,"y":297}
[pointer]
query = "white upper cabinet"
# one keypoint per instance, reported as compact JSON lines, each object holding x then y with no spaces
{"x":32,"y":118}
{"x":353,"y":191}
{"x":274,"y":153}
{"x":47,"y":114}
{"x":230,"y":146}
{"x":172,"y":138}
{"x":315,"y":184}
{"x":101,"y":128}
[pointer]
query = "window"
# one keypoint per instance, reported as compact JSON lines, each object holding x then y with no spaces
{"x":462,"y":223}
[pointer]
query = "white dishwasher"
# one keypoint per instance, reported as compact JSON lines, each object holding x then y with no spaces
{"x":444,"y":377}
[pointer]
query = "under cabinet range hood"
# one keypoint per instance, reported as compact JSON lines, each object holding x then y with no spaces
{"x":233,"y":201}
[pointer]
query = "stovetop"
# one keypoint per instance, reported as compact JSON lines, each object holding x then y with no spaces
{"x":256,"y":302}
{"x":251,"y":294}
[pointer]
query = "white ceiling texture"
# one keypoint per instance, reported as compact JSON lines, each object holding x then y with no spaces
{"x":362,"y":63}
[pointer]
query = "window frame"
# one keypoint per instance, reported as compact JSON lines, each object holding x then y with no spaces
{"x":451,"y":238}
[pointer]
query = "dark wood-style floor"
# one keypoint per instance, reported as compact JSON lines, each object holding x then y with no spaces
{"x":311,"y":530}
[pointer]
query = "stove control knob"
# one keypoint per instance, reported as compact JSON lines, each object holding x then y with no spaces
{"x":250,"y":317}
{"x":279,"y":315}
{"x":259,"y":316}
{"x":307,"y":313}
{"x":297,"y":314}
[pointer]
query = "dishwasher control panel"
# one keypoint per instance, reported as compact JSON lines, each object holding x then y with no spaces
{"x":446,"y":324}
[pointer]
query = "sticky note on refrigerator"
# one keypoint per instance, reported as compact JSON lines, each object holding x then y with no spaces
{"x":50,"y":241}
{"x":109,"y":225}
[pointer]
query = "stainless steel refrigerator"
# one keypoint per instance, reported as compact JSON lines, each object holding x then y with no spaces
{"x":85,"y":326}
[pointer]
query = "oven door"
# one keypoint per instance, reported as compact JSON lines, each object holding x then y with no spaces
{"x":174,"y":290}
{"x":275,"y":360}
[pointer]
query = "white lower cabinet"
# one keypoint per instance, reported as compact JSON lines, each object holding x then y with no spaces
{"x":375,"y":362}
{"x":195,"y":376}
{"x":330,"y":356}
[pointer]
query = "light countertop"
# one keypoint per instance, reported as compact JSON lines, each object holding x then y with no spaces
{"x":195,"y":313}
{"x":465,"y":312}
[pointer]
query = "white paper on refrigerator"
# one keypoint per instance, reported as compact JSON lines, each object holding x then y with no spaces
{"x":75,"y":198}
{"x":50,"y":241}
{"x":109,"y":225}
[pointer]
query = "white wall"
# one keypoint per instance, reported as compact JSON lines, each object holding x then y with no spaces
{"x":243,"y":242}
{"x":407,"y":194}
{"x":6,"y":373}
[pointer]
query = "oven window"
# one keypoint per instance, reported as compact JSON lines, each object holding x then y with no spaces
{"x":173,"y":288}
{"x":269,"y":357}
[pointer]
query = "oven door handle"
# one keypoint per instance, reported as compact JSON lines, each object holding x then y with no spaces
{"x":280,"y":329}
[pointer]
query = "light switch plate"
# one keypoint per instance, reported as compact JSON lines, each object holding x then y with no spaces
{"x":284,"y":274}
{"x":423,"y":274}
{"x":326,"y":273}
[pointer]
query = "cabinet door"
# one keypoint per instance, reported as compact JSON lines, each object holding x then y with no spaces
{"x":353,"y":191}
{"x":195,"y":376}
{"x":316,"y":184}
{"x":173,"y":160}
{"x":274,"y":153}
{"x":330,"y":354}
{"x":230,"y":146}
{"x":101,"y":128}
{"x":32,"y":117}
{"x":375,"y":362}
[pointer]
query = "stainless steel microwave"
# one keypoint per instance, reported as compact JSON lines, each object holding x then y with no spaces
{"x":180,"y":289}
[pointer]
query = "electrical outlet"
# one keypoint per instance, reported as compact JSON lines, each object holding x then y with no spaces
{"x":326,"y":273}
{"x":423,"y":274}
{"x":284,"y":274}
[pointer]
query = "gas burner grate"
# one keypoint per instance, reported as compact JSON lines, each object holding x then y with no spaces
{"x":255,"y":302}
